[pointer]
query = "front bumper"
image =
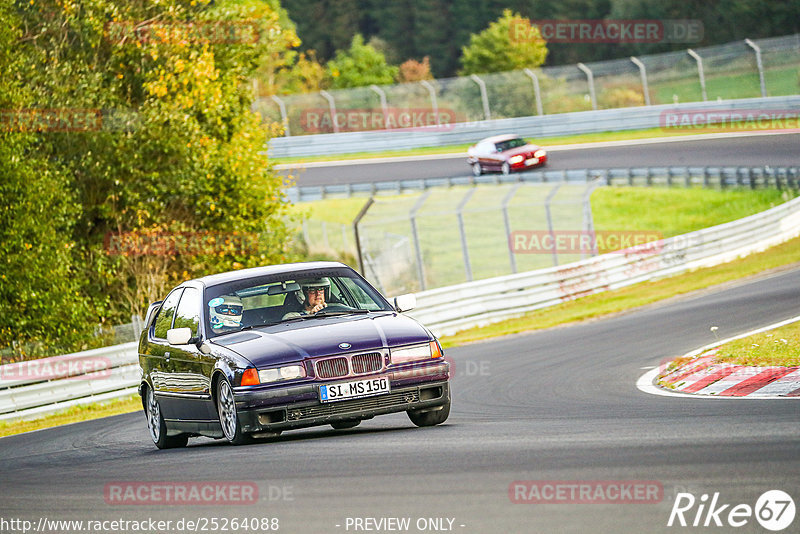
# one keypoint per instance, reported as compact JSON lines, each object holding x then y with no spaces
{"x":299,"y":406}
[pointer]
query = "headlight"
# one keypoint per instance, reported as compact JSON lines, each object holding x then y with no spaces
{"x":515,"y":159}
{"x":281,"y":373}
{"x":416,"y":353}
{"x":540,"y":153}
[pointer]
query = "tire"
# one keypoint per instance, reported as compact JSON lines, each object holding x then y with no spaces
{"x":157,"y":426}
{"x":477,"y":170}
{"x":506,"y":168}
{"x":430,"y":418}
{"x":228,"y":417}
{"x":341,"y":425}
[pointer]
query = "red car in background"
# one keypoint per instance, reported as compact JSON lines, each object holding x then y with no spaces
{"x":504,"y":153}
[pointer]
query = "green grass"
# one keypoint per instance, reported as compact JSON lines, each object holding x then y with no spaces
{"x":73,"y":415}
{"x":675,"y":211}
{"x":628,"y":298}
{"x":780,"y":346}
{"x":779,"y":81}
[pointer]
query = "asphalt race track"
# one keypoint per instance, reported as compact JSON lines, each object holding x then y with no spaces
{"x":773,"y":150}
{"x":560,"y":404}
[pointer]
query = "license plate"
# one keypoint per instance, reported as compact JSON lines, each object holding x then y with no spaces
{"x":353,"y":390}
{"x":532,"y":161}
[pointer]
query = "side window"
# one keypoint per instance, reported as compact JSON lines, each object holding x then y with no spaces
{"x":188,"y":314}
{"x":165,"y":314}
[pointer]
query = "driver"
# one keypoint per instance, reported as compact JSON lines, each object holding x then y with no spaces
{"x":316,"y":291}
{"x":225,"y":312}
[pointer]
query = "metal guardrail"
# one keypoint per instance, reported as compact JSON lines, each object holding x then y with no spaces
{"x":708,"y":176}
{"x":605,"y":120}
{"x":43,"y":386}
{"x":39,"y":387}
{"x":447,"y":310}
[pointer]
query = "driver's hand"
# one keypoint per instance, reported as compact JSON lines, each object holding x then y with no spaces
{"x":317,"y":307}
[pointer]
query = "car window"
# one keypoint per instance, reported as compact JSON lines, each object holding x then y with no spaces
{"x":188,"y":313}
{"x":166,"y":313}
{"x":511,"y":143}
{"x":365,"y":302}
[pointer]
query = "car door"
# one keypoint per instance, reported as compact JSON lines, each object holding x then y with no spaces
{"x":157,"y":348}
{"x":188,"y":380}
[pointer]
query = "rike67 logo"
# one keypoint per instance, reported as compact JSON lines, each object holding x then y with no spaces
{"x":774,"y":510}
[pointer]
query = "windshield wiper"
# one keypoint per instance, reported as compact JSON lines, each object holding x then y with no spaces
{"x":323,"y":313}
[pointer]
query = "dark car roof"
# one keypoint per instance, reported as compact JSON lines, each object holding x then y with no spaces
{"x":255,"y":272}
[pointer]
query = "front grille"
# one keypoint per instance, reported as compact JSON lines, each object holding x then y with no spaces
{"x":367,"y":363}
{"x":353,"y":406}
{"x":332,"y":368}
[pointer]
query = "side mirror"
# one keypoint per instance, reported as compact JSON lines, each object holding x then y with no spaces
{"x":179,"y":336}
{"x":405,"y":302}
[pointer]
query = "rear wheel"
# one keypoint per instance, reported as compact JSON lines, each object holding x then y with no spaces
{"x":228,"y":418}
{"x":157,"y":426}
{"x":340,"y":425}
{"x":430,"y":418}
{"x":477,"y":170}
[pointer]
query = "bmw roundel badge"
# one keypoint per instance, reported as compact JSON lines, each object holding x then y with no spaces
{"x":344,"y":346}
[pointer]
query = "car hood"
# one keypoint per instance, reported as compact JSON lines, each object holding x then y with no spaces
{"x":312,"y":338}
{"x":524,"y":149}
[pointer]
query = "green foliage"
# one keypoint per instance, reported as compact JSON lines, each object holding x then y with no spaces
{"x":176,"y":153}
{"x":359,"y":66}
{"x":499,"y":48}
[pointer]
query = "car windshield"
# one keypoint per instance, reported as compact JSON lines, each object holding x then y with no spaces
{"x":246,"y":304}
{"x":511,"y":143}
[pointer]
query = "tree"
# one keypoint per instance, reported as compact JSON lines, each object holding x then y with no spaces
{"x":359,"y":66}
{"x":507,"y":44}
{"x":414,"y":71}
{"x":171,"y":148}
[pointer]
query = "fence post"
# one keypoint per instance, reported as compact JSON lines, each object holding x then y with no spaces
{"x":700,"y":72}
{"x":506,"y":201}
{"x":462,"y":232}
{"x":332,"y":105}
{"x":487,"y":115}
{"x":415,"y":236}
{"x":643,"y":73}
{"x":434,"y":105}
{"x":357,"y":220}
{"x":284,"y":116}
{"x":536,"y":91}
{"x":384,"y":105}
{"x":550,"y":229}
{"x":590,"y":80}
{"x":759,"y":65}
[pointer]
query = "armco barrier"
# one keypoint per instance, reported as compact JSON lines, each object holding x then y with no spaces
{"x":542,"y":126}
{"x":46,"y":385}
{"x":28,"y":390}
{"x":708,"y":176}
{"x":447,"y":310}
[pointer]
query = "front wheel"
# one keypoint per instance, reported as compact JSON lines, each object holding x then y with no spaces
{"x":506,"y":168}
{"x":157,"y":426}
{"x":476,"y":169}
{"x":430,"y":418}
{"x":228,"y":417}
